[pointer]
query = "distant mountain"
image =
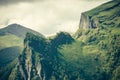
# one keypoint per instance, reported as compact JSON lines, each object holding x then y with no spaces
{"x":11,"y":42}
{"x":17,"y":30}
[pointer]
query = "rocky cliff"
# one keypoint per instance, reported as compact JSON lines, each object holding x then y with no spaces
{"x":40,"y":59}
{"x":30,"y":61}
{"x":86,"y":22}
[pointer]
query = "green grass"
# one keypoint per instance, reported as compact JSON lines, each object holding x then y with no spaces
{"x":9,"y":54}
{"x":101,"y":8}
{"x":6,"y":71}
{"x":81,"y":57}
{"x":93,"y":48}
{"x":10,"y":48}
{"x":71,"y":51}
{"x":10,"y":41}
{"x":90,"y":49}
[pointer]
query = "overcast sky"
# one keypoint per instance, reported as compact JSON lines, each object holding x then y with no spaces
{"x":45,"y":16}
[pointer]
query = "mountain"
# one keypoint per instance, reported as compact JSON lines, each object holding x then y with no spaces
{"x":9,"y":54}
{"x":106,"y":14}
{"x":17,"y":30}
{"x":99,"y":29}
{"x":11,"y":42}
{"x":92,"y":53}
{"x":40,"y":57}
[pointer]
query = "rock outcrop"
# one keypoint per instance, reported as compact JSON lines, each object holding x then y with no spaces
{"x":29,"y":65}
{"x":86,"y":22}
{"x":39,"y":60}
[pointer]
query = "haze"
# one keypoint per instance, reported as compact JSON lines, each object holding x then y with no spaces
{"x":45,"y":16}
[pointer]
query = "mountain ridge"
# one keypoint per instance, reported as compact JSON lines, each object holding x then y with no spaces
{"x":104,"y":15}
{"x":38,"y":58}
{"x":18,"y":30}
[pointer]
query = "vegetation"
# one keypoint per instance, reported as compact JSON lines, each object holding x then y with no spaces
{"x":10,"y":41}
{"x":9,"y":54}
{"x":10,"y":48}
{"x":93,"y":54}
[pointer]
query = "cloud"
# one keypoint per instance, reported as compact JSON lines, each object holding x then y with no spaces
{"x":48,"y":16}
{"x":9,"y":2}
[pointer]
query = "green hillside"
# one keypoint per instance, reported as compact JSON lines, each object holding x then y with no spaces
{"x":10,"y":41}
{"x":9,"y":54}
{"x":18,"y":30}
{"x":103,"y":42}
{"x":10,"y":48}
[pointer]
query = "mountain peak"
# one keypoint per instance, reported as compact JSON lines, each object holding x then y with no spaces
{"x":14,"y":25}
{"x":18,"y":30}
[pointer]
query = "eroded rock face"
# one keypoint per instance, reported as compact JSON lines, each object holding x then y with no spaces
{"x":32,"y":57}
{"x":39,"y":60}
{"x":30,"y":62}
{"x":86,"y":22}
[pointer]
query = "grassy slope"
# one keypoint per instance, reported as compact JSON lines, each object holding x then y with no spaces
{"x":88,"y":55}
{"x":82,"y":58}
{"x":17,"y":30}
{"x":9,"y":54}
{"x":10,"y":48}
{"x":10,"y":41}
{"x":6,"y":71}
{"x":11,"y":45}
{"x":107,"y":14}
{"x":102,"y":8}
{"x":90,"y":51}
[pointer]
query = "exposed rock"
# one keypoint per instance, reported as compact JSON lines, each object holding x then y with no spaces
{"x":39,"y":59}
{"x":86,"y":22}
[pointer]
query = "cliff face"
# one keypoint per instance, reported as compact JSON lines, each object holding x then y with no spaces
{"x":30,"y":64}
{"x":86,"y":22}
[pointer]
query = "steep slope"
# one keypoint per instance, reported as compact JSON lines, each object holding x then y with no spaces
{"x":99,"y":29}
{"x":106,"y":15}
{"x":9,"y":54}
{"x":11,"y":43}
{"x":40,"y":59}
